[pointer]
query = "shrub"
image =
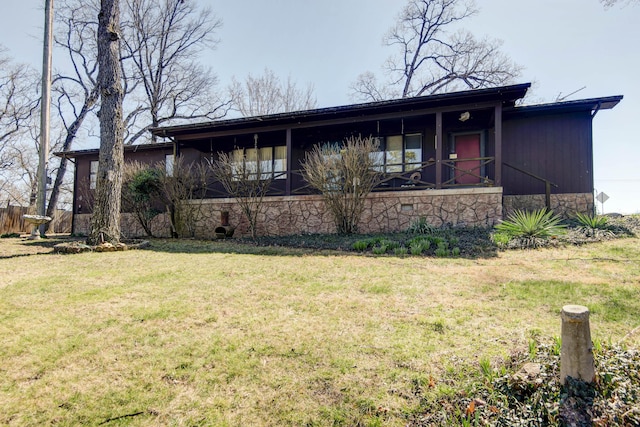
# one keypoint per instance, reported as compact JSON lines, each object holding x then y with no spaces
{"x":361,"y":245}
{"x":539,"y":224}
{"x":442,"y":252}
{"x":402,"y":250}
{"x":390,"y":244}
{"x":419,"y":245}
{"x":501,"y":238}
{"x":380,"y":250}
{"x":344,"y":174}
{"x":141,"y":193}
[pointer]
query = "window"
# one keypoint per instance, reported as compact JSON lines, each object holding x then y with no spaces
{"x":280,"y":162}
{"x":168,"y":164}
{"x":399,"y":153}
{"x":393,"y":154}
{"x":273,"y":162}
{"x":93,"y":175}
{"x":412,"y":151}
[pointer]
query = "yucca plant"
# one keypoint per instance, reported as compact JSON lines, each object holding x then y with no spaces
{"x":598,"y":222}
{"x":594,"y":226}
{"x":540,"y":224}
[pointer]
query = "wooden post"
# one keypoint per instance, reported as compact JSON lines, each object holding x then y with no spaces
{"x":439,"y":143}
{"x":498,"y":145}
{"x":289,"y":161}
{"x":576,"y":356}
{"x":547,"y":194}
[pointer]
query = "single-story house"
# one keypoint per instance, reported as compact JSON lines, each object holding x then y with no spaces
{"x":461,"y":158}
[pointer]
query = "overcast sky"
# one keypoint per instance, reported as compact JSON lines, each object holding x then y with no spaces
{"x":564,"y":45}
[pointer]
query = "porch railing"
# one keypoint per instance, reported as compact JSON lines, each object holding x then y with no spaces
{"x":414,"y":176}
{"x":477,"y":173}
{"x":547,"y":184}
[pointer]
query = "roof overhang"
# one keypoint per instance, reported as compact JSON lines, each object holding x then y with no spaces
{"x":592,"y":105}
{"x":127,"y":148}
{"x":504,"y":95}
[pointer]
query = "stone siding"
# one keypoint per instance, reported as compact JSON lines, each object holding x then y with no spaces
{"x":384,"y":212}
{"x":565,"y":205}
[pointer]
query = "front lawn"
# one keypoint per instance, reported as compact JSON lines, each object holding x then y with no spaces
{"x":227,"y":334}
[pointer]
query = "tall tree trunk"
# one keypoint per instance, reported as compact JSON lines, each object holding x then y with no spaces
{"x":105,"y":223}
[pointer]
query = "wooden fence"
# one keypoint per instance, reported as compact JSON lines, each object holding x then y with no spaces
{"x":11,"y":221}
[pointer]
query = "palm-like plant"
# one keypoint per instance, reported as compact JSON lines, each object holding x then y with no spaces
{"x":593,"y":221}
{"x":540,"y":224}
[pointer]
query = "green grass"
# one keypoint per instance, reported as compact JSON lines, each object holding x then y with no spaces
{"x":215,"y":333}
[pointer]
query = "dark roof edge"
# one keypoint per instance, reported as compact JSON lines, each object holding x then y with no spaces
{"x":592,"y":104}
{"x":513,"y":92}
{"x":127,"y":148}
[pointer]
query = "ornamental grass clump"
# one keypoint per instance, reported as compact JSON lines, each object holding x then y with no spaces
{"x":531,"y":229}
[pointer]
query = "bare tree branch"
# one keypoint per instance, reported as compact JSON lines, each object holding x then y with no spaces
{"x":433,"y":57}
{"x":162,"y":40}
{"x":268,"y":94}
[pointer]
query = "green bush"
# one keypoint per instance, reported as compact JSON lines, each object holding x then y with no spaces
{"x":361,"y":245}
{"x":442,"y":252}
{"x":500,"y":238}
{"x":402,"y":250}
{"x":540,"y":224}
{"x":390,"y":244}
{"x":418,"y":245}
{"x":380,"y":250}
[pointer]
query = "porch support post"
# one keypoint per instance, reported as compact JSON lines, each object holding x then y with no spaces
{"x":287,"y":190}
{"x":498,"y":145}
{"x":439,"y":148}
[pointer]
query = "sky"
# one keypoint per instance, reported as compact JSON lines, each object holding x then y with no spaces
{"x":563,"y":45}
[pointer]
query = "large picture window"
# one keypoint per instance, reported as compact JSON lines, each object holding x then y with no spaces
{"x":399,"y":153}
{"x":272,"y":162}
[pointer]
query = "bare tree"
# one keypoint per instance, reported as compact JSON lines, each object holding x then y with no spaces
{"x":175,"y":94}
{"x":344,"y":174}
{"x":162,"y":42}
{"x":77,"y":91}
{"x":433,"y":56}
{"x":19,"y":100}
{"x":19,"y":103}
{"x":105,"y":222}
{"x":268,"y":94}
{"x":246,"y":179}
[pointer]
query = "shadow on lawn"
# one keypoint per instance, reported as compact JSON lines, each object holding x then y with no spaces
{"x":15,"y":247}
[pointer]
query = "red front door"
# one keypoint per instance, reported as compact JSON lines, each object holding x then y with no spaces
{"x":467,"y":147}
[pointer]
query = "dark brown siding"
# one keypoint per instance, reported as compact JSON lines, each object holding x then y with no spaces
{"x":84,"y":196}
{"x":555,"y":147}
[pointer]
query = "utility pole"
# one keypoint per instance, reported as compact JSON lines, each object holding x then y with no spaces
{"x":45,"y":110}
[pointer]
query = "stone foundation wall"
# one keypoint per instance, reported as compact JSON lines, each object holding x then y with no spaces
{"x":384,"y":212}
{"x":565,"y":205}
{"x":286,"y":215}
